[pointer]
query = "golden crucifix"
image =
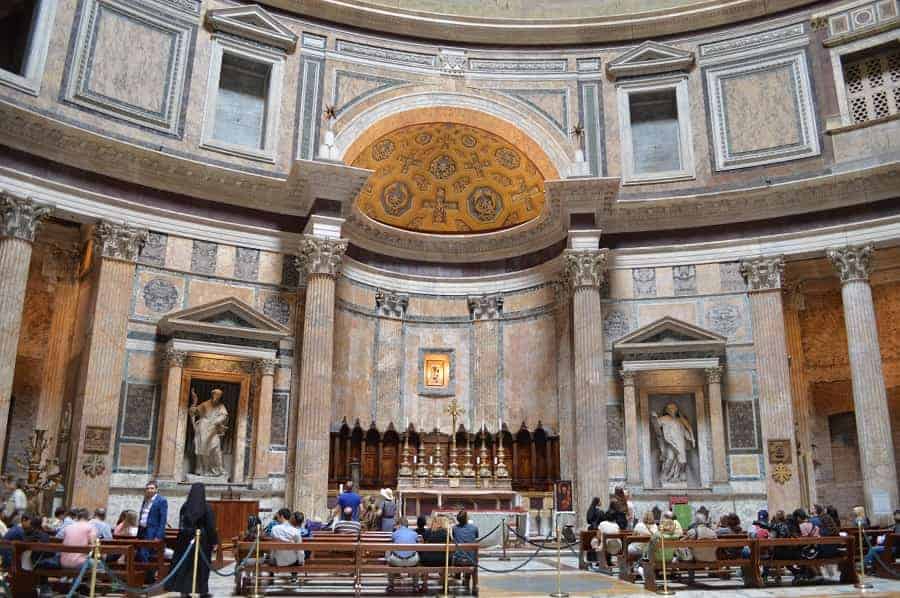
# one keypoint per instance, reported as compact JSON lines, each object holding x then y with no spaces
{"x":454,"y":411}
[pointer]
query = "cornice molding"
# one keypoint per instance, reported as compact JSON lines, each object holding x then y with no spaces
{"x":650,"y":58}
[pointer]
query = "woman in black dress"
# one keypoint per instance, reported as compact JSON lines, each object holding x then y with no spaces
{"x":195,"y":514}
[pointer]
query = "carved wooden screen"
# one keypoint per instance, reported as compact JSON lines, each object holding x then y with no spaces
{"x":390,"y":459}
{"x":369,"y":467}
{"x":523,"y":471}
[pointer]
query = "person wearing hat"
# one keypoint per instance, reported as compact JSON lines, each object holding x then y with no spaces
{"x":388,"y":510}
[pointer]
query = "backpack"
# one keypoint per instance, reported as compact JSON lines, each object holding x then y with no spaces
{"x":389,"y":509}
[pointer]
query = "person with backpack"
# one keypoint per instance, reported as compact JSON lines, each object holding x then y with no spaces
{"x":388,"y":510}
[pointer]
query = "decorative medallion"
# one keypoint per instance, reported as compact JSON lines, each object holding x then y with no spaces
{"x":485,"y":204}
{"x":442,"y":167}
{"x":278,"y":309}
{"x":507,"y":157}
{"x":616,"y":325}
{"x":781,"y":473}
{"x":396,"y":198}
{"x":383,"y":150}
{"x":449,"y":178}
{"x":724,"y":318}
{"x":94,"y":466}
{"x":160,"y":295}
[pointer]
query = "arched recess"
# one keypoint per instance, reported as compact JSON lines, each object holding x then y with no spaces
{"x":550,"y":152}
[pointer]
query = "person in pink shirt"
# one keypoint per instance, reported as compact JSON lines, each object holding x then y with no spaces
{"x":80,"y":533}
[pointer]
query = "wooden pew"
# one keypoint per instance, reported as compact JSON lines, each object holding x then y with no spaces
{"x":770,"y":553}
{"x":373,"y":560}
{"x":724,"y":560}
{"x":885,"y":563}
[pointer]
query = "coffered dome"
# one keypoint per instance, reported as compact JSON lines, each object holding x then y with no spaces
{"x":449,"y":178}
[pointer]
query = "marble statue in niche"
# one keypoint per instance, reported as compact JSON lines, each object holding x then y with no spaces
{"x":675,"y":438}
{"x":210,"y":422}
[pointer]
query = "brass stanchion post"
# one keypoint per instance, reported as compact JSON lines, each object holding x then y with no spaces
{"x":861,"y":584}
{"x":559,"y":593}
{"x":256,"y":593}
{"x":447,"y":561}
{"x":662,"y":546}
{"x":95,"y":556}
{"x":504,"y":535}
{"x":194,"y":593}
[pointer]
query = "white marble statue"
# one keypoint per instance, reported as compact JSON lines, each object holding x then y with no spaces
{"x":209,"y":420}
{"x":674,"y":437}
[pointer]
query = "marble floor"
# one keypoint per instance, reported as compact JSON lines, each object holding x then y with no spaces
{"x":538,"y":578}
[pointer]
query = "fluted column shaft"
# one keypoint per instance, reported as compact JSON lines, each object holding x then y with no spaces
{"x":776,"y":409}
{"x":319,"y":261}
{"x":169,"y":418}
{"x":57,"y":367}
{"x":800,"y":393}
{"x":873,"y":421}
{"x":19,"y":220}
{"x":586,"y":270}
{"x":717,"y":425}
{"x":632,"y":450}
{"x":485,"y":312}
{"x":567,"y":456}
{"x":262,"y":420}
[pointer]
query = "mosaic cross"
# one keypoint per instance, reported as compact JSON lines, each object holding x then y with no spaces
{"x":477,"y":164}
{"x":439,"y":206}
{"x":526,"y":194}
{"x":408,"y":162}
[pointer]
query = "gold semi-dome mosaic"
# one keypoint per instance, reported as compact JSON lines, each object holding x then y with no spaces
{"x":449,"y":178}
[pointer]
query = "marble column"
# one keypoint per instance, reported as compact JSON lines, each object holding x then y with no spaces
{"x":870,"y":405}
{"x":776,"y":409}
{"x":586,"y":271}
{"x":386,"y":409}
{"x":717,"y":425}
{"x":50,"y":404}
{"x":320,"y":263}
{"x":262,"y":421}
{"x":564,"y":375}
{"x":632,"y":430}
{"x":171,"y":428}
{"x":794,"y":304}
{"x":115,"y":247}
{"x":19,"y":221}
{"x":486,"y":310}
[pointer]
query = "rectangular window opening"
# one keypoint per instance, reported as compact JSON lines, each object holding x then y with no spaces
{"x":17,"y":19}
{"x":240,"y":117}
{"x":655,"y":134}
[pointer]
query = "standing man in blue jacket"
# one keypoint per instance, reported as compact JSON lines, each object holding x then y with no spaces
{"x":152,"y":523}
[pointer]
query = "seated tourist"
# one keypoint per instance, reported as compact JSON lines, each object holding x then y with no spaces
{"x":298,"y":520}
{"x":35,"y":533}
{"x":127,"y":525}
{"x":646,"y":527}
{"x":16,"y":533}
{"x":402,"y":558}
{"x":667,"y":532}
{"x":464,"y":532}
{"x":670,"y":515}
{"x":610,"y":525}
{"x":104,"y":532}
{"x":760,"y":527}
{"x":51,"y":524}
{"x":829,"y":527}
{"x":79,"y":533}
{"x":347,"y":525}
{"x":877,"y":551}
{"x":69,"y":519}
{"x":283,"y":531}
{"x":349,"y":498}
{"x":700,"y":530}
{"x":422,"y":527}
{"x":807,"y":529}
{"x":437,"y":534}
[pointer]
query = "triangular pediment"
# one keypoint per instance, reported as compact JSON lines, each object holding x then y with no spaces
{"x":253,"y":23}
{"x":650,"y":58}
{"x":670,"y":336}
{"x":226,"y":318}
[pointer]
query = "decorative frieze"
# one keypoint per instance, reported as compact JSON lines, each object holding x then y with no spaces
{"x":391,"y":305}
{"x":344,"y":46}
{"x":320,"y":256}
{"x":486,"y":307}
{"x":763,"y":273}
{"x":484,"y":65}
{"x":761,"y":41}
{"x":685,"y":280}
{"x":853,"y":262}
{"x":452,"y":62}
{"x":586,"y":268}
{"x":644,"y":282}
{"x":204,"y":257}
{"x":855,"y":20}
{"x":118,"y":241}
{"x":20,"y":217}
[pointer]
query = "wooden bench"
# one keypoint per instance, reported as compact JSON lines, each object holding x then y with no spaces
{"x":770,"y":553}
{"x":585,"y":539}
{"x":724,"y":560}
{"x":884,"y":563}
{"x":348,"y":560}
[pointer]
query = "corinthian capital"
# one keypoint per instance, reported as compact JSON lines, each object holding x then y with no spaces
{"x":763,"y":273}
{"x":714,"y":375}
{"x":20,"y":217}
{"x":118,"y":241}
{"x":486,"y":307}
{"x":391,"y":305}
{"x":175,"y":358}
{"x":585,"y":268}
{"x":265,"y":367}
{"x":318,"y":256}
{"x":853,"y":262}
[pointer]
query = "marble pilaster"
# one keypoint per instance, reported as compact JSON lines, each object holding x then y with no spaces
{"x":171,"y":429}
{"x":776,"y":409}
{"x":564,"y":375}
{"x":19,"y":220}
{"x":485,"y":311}
{"x":116,"y":247}
{"x":632,"y":430}
{"x":319,"y":261}
{"x":873,"y":422}
{"x":62,"y":326}
{"x":717,"y":426}
{"x":390,"y":307}
{"x":794,"y":304}
{"x":262,"y":420}
{"x":586,"y":271}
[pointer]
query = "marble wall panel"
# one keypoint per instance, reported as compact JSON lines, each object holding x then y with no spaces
{"x":206,"y":291}
{"x":225,"y":257}
{"x":277,"y":461}
{"x":283,"y":378}
{"x":133,"y":457}
{"x":246,"y":263}
{"x":615,"y":427}
{"x":738,"y":384}
{"x":684,"y":280}
{"x":144,"y":366}
{"x":618,"y":320}
{"x":354,"y":375}
{"x":744,"y":466}
{"x":435,"y":307}
{"x":178,"y":253}
{"x":153,"y":252}
{"x":530,"y":299}
{"x":621,"y":284}
{"x":362,"y":297}
{"x":138,"y":411}
{"x":529,"y":388}
{"x":429,"y":411}
{"x":707,"y":276}
{"x":280,"y":412}
{"x":741,"y":425}
{"x":650,"y":312}
{"x":270,"y":267}
{"x":278,"y":306}
{"x":665,"y":282}
{"x":616,"y":466}
{"x":203,"y":257}
{"x":157,"y":293}
{"x":729,"y":316}
{"x":644,"y":282}
{"x":730,"y":277}
{"x":824,"y":338}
